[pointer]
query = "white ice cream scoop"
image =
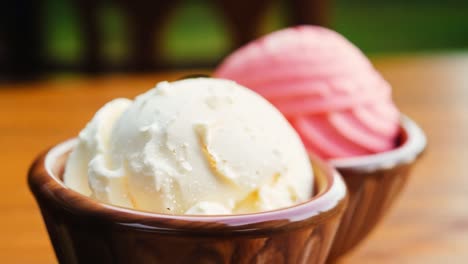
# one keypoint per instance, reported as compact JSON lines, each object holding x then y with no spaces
{"x":195,"y":146}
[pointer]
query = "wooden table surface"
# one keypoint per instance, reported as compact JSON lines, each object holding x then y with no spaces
{"x":428,"y":224}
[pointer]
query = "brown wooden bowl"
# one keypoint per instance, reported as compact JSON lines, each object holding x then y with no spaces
{"x":373,"y":182}
{"x":83,"y":230}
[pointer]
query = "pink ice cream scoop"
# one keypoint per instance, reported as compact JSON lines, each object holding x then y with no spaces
{"x":326,"y":87}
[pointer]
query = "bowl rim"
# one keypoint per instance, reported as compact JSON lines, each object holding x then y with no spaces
{"x":50,"y":191}
{"x":413,"y":145}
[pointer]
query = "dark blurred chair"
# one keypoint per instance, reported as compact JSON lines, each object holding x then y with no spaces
{"x":20,"y":40}
{"x":145,"y":22}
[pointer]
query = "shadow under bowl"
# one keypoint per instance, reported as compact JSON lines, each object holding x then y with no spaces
{"x":83,"y":230}
{"x":374,"y":182}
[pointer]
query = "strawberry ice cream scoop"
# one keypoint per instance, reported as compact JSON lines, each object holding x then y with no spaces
{"x":325,"y":86}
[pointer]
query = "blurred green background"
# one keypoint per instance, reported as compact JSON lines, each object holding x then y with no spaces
{"x":195,"y":30}
{"x":48,"y":37}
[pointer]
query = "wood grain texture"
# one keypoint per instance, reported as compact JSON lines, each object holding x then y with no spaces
{"x":428,"y":224}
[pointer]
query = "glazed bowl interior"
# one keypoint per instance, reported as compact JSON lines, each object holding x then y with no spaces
{"x":45,"y":182}
{"x":410,"y":144}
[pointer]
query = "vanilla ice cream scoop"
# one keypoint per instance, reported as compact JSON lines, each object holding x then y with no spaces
{"x":195,"y":146}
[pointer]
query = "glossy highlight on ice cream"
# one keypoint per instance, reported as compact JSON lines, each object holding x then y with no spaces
{"x":198,"y":146}
{"x":325,"y":86}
